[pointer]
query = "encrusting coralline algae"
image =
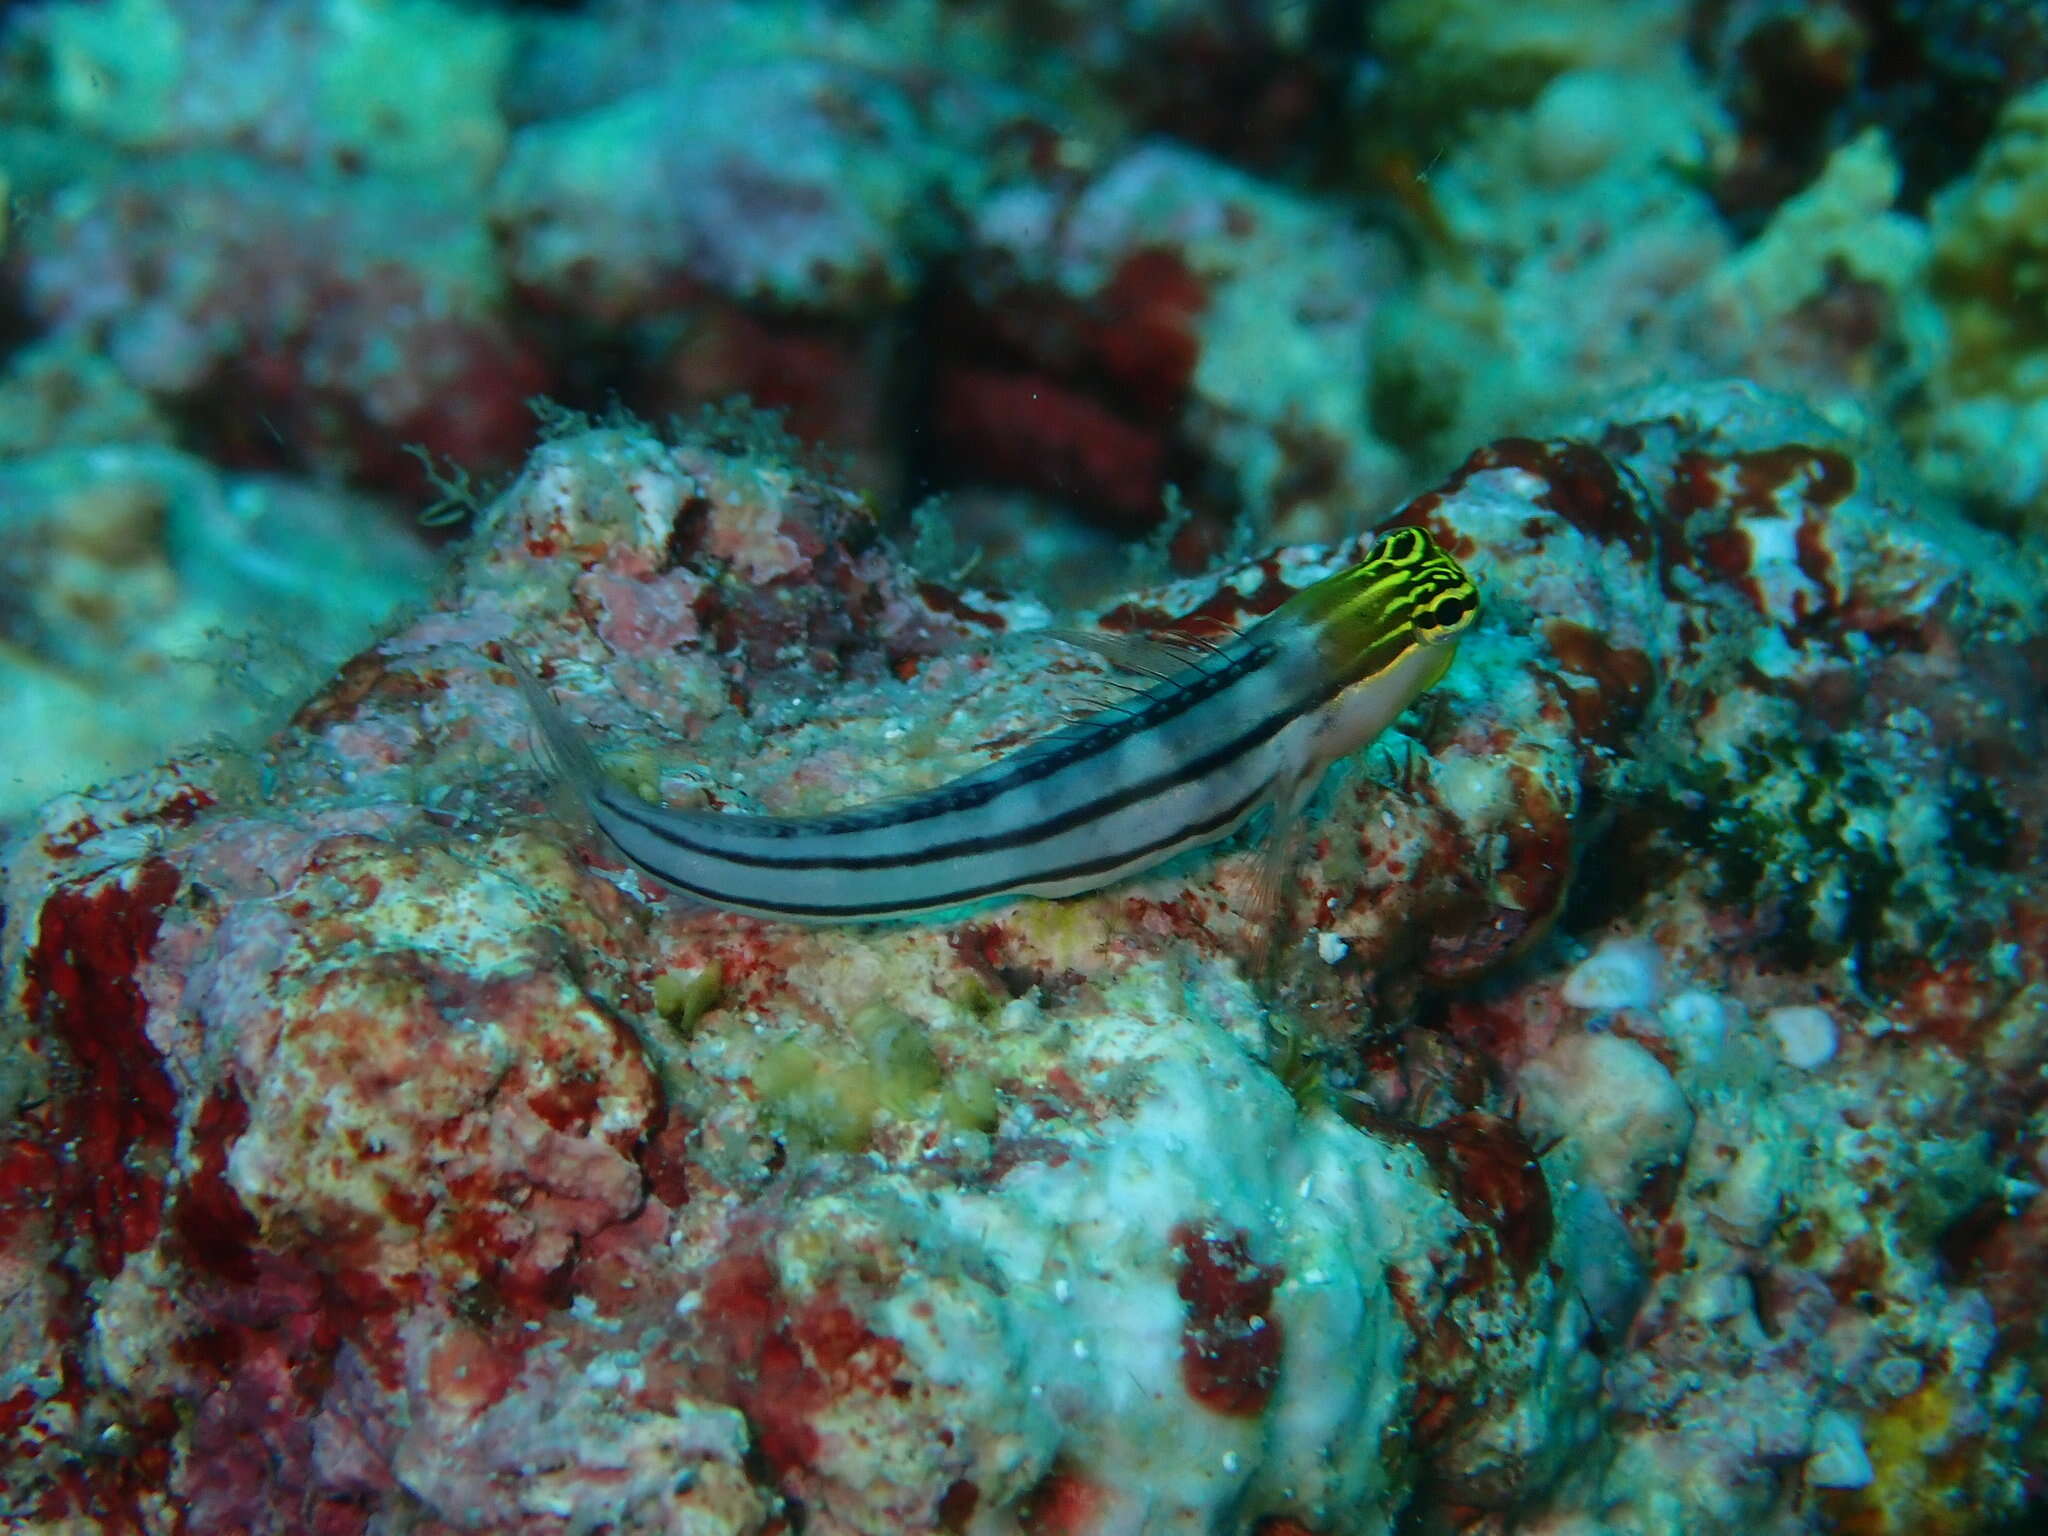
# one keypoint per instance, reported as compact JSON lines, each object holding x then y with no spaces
{"x":386,"y":1156}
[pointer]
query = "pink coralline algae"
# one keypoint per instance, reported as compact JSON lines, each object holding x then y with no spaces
{"x":382,"y":1153}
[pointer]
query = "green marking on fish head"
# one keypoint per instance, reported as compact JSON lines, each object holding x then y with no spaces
{"x":1406,"y":593}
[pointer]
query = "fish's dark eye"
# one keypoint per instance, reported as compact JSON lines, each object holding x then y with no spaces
{"x":1450,"y":612}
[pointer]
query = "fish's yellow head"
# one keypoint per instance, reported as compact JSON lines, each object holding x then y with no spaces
{"x":1404,"y":595}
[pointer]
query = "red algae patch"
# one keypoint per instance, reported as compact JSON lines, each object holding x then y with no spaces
{"x":119,"y":1110}
{"x":1232,"y":1345}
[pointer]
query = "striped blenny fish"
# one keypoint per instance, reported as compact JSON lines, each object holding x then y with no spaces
{"x":1223,"y":731}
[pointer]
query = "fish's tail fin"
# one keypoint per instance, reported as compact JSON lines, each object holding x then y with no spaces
{"x":581,"y":784}
{"x":564,"y":753}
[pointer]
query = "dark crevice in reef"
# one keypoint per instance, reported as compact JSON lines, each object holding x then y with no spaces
{"x":1631,"y":850}
{"x":913,"y":396}
{"x":17,"y":327}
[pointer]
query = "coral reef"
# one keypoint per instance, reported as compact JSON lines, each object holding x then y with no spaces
{"x":313,"y":325}
{"x":149,"y":596}
{"x":1635,"y":1120}
{"x":268,"y":218}
{"x":1167,"y":314}
{"x":1218,"y":273}
{"x":1643,"y":1127}
{"x":834,"y":209}
{"x":1801,"y":79}
{"x":1990,"y":405}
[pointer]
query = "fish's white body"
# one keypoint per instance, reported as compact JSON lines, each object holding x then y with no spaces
{"x":1224,"y":732}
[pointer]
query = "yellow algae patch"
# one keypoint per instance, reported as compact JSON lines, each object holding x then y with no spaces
{"x":684,"y":997}
{"x":1068,"y":935}
{"x":832,"y":1093}
{"x":1923,"y":1470}
{"x":969,"y":1102}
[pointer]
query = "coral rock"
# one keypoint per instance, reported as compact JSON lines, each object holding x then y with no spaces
{"x":384,"y":1150}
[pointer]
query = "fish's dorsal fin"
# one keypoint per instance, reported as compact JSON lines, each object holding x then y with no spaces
{"x":1156,"y":656}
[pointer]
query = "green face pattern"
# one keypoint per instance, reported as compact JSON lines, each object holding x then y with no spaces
{"x":1405,"y":593}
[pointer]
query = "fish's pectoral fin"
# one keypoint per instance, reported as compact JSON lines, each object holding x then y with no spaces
{"x":1267,"y":914}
